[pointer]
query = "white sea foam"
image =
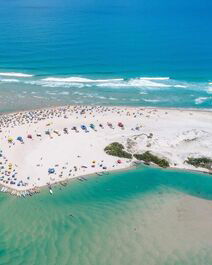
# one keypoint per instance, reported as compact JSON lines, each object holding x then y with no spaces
{"x":180,"y":86}
{"x":37,"y":97}
{"x":51,"y":93}
{"x":135,"y":82}
{"x":64,"y":93}
{"x":140,"y":83}
{"x":78,"y":80}
{"x":6,"y":80}
{"x":13,"y":74}
{"x":151,"y":100}
{"x":200,"y":100}
{"x":155,"y":78}
{"x":209,"y":90}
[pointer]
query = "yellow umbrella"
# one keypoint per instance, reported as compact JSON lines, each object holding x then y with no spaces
{"x":10,"y":139}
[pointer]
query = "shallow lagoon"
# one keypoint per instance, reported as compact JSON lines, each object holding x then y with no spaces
{"x":121,"y":218}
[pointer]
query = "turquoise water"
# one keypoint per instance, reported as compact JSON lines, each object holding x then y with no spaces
{"x":103,"y":40}
{"x":105,"y":220}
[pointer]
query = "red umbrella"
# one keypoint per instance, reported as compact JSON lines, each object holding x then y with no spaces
{"x":120,"y":124}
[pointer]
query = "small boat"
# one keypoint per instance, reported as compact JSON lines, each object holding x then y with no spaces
{"x":99,"y":173}
{"x":50,"y":191}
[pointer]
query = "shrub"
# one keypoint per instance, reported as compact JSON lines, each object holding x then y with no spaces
{"x":117,"y":149}
{"x":204,"y":162}
{"x":148,"y":157}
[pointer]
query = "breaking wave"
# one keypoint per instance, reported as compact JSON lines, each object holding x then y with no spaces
{"x":5,"y":80}
{"x":200,"y":100}
{"x":79,"y":82}
{"x":14,"y":74}
{"x":144,"y":83}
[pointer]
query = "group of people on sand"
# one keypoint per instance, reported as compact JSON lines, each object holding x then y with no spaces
{"x":9,"y":171}
{"x":20,"y":118}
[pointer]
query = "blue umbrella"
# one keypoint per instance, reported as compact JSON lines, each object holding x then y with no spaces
{"x":19,"y":138}
{"x":51,"y":171}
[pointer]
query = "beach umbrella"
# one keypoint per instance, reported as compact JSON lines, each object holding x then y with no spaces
{"x":19,"y":138}
{"x":83,"y":127}
{"x":51,"y":170}
{"x":10,"y":139}
{"x":119,"y":161}
{"x":29,"y":136}
{"x":65,"y":130}
{"x":120,"y":124}
{"x":92,"y":126}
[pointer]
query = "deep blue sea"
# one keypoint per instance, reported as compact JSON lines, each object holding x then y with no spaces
{"x":116,"y":52}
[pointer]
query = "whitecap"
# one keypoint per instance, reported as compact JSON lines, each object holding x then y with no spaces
{"x":180,"y":86}
{"x":155,"y":78}
{"x":51,"y":93}
{"x":200,"y":100}
{"x":151,"y":100}
{"x":64,"y":93}
{"x":78,"y":80}
{"x":9,"y":80}
{"x":37,"y":97}
{"x":13,"y":74}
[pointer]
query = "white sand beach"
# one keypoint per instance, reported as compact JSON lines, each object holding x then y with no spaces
{"x":43,"y":147}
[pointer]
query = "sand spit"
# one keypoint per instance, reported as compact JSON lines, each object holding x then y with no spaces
{"x":47,"y":146}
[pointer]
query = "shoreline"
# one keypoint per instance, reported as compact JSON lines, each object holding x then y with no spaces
{"x":157,"y":120}
{"x":86,"y":177}
{"x":118,"y":106}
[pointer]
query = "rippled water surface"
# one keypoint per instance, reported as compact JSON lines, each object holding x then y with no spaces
{"x":122,"y":218}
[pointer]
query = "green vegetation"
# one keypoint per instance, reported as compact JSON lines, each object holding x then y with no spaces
{"x":148,"y":157}
{"x":204,"y":162}
{"x":117,"y":149}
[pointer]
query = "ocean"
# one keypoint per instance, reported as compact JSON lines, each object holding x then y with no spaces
{"x":118,"y":219}
{"x":136,"y":53}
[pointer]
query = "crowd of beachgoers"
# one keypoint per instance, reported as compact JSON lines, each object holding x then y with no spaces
{"x":9,"y":170}
{"x":47,"y":146}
